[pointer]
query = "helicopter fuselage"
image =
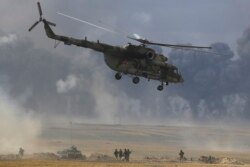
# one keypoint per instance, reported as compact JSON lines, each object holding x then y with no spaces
{"x":135,"y":60}
{"x":146,"y":64}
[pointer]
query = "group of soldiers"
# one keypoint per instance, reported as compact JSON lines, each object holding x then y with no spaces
{"x":122,"y":155}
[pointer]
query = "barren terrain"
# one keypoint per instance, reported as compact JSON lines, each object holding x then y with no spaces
{"x":150,"y":145}
{"x":29,"y":163}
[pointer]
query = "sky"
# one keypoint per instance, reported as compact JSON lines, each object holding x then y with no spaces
{"x":70,"y":83}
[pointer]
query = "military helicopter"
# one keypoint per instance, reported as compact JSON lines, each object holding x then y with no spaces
{"x":134,"y":60}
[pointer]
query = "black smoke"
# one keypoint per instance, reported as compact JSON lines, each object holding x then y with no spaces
{"x":216,"y":83}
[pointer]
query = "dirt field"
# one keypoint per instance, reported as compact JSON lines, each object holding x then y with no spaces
{"x":145,"y":140}
{"x":152,"y":146}
{"x":38,"y":163}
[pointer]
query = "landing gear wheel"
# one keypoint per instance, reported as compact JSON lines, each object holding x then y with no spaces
{"x":136,"y":80}
{"x":160,"y":87}
{"x":166,"y":83}
{"x":118,"y":76}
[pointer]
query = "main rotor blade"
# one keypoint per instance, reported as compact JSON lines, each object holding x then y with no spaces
{"x":33,"y":26}
{"x":201,"y":51}
{"x":39,"y":9}
{"x":143,"y":41}
{"x":86,"y":22}
{"x":137,"y":36}
{"x":179,"y":46}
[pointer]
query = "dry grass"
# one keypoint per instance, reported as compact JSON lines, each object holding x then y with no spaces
{"x":57,"y":163}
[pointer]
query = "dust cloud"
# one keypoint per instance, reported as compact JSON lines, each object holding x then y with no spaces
{"x":18,"y":128}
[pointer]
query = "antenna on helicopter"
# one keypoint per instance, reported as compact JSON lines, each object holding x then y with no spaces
{"x":41,"y":18}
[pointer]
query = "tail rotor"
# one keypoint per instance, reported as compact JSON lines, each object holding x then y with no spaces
{"x":33,"y":26}
{"x":41,"y":18}
{"x":39,"y":9}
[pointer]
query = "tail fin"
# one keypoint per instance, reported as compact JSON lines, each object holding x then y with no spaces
{"x":48,"y":29}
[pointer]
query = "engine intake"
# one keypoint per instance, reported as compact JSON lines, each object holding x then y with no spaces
{"x":150,"y":55}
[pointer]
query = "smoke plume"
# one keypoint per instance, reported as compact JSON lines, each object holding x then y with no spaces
{"x":18,"y":127}
{"x":67,"y":85}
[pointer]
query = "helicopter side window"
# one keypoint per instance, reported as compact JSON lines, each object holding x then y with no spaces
{"x":176,"y":71}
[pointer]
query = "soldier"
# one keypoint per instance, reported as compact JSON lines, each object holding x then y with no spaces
{"x":125,"y":154}
{"x":21,"y":152}
{"x":210,"y":159}
{"x":120,"y":154}
{"x":181,"y":155}
{"x":116,"y":153}
{"x":128,"y":154}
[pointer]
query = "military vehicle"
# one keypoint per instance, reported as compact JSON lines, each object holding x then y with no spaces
{"x":134,"y":60}
{"x":71,"y":153}
{"x":209,"y":159}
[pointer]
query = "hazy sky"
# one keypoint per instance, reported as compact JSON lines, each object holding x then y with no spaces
{"x":193,"y":21}
{"x":75,"y":82}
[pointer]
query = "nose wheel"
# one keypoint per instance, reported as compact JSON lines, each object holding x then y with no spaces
{"x":118,"y":76}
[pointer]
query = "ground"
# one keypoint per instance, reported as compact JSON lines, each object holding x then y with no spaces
{"x":152,"y":146}
{"x":47,"y":163}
